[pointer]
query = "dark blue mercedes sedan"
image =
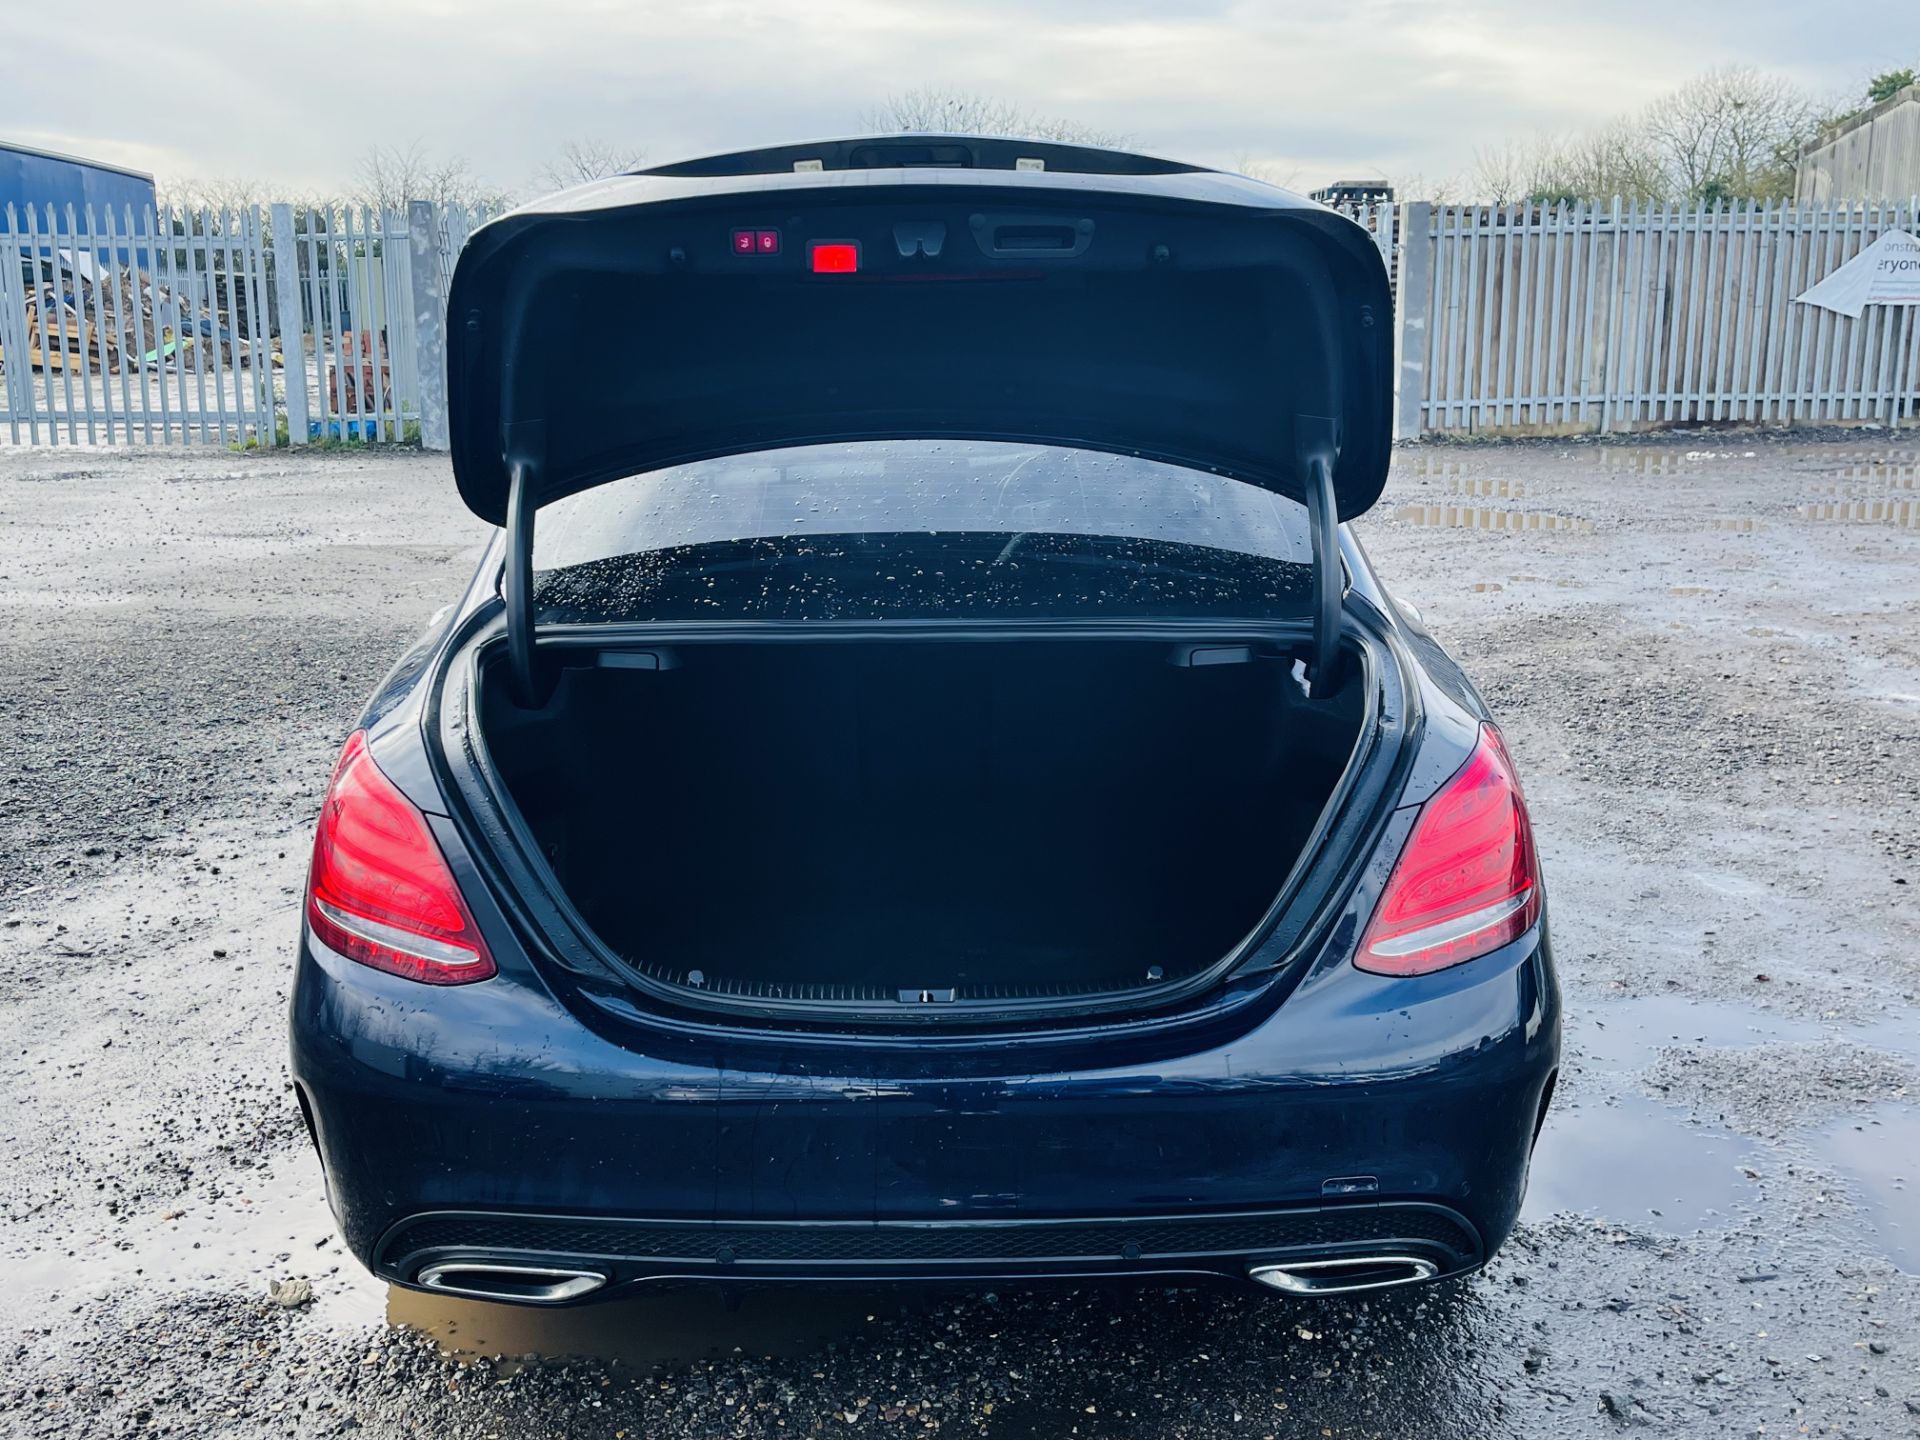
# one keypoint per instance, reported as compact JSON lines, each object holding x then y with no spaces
{"x":923,"y":785}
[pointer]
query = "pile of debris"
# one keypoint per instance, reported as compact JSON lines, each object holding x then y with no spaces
{"x":131,"y":321}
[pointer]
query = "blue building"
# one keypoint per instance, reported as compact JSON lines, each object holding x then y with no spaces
{"x":41,"y":178}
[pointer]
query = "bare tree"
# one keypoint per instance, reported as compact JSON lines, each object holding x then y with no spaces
{"x":958,"y":112}
{"x":1614,"y":160}
{"x":1412,"y":185}
{"x":391,"y":175}
{"x":581,"y":161}
{"x":1730,"y":134}
{"x":1506,"y":174}
{"x":1268,"y":171}
{"x":225,"y":193}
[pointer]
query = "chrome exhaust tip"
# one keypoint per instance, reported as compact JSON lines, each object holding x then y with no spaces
{"x":1345,"y":1275}
{"x":519,"y":1284}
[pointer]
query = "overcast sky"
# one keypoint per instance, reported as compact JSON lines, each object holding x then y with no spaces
{"x":293,"y":92}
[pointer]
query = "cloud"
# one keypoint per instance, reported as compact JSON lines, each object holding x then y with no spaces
{"x":294,"y":92}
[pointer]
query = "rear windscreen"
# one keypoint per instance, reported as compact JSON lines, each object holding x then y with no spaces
{"x":920,"y":529}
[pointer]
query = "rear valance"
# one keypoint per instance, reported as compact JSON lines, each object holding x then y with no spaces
{"x":1196,"y":318}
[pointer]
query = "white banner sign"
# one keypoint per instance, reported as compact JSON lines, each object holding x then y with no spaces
{"x":1887,"y":272}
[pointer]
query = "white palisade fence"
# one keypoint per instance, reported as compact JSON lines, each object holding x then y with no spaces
{"x":1532,"y":320}
{"x":273,"y":325}
{"x":133,"y":326}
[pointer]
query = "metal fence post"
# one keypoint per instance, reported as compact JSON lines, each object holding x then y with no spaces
{"x":1609,"y":339}
{"x":1413,"y":299}
{"x":18,"y":377}
{"x":293,"y":339}
{"x":1380,"y":225}
{"x":429,"y":323}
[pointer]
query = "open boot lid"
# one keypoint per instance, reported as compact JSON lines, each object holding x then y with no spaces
{"x":1106,"y":301}
{"x":920,"y":287}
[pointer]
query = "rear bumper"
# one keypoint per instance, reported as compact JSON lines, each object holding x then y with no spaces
{"x":490,"y":1124}
{"x":623,"y":1254}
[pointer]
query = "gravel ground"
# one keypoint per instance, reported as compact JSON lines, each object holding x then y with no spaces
{"x":1712,"y":689}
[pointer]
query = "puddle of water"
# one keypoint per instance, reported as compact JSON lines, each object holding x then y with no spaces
{"x":1869,"y":475}
{"x":1871,"y":485}
{"x":1646,"y":459}
{"x":1623,"y":1035}
{"x":1485,"y":485}
{"x":1663,"y":459}
{"x":1564,"y":582}
{"x":1638,"y":1157}
{"x":1483,"y":517}
{"x":270,"y":1225}
{"x":1881,"y":1155}
{"x":1897,"y":1034}
{"x":646,"y":1331}
{"x":1637,"y":1160}
{"x":1728,"y":882}
{"x":1672,"y":460}
{"x":1433,"y":463}
{"x":1904,"y":513}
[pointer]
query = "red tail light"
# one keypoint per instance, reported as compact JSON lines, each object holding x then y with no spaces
{"x":379,"y":890}
{"x":1467,"y":881}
